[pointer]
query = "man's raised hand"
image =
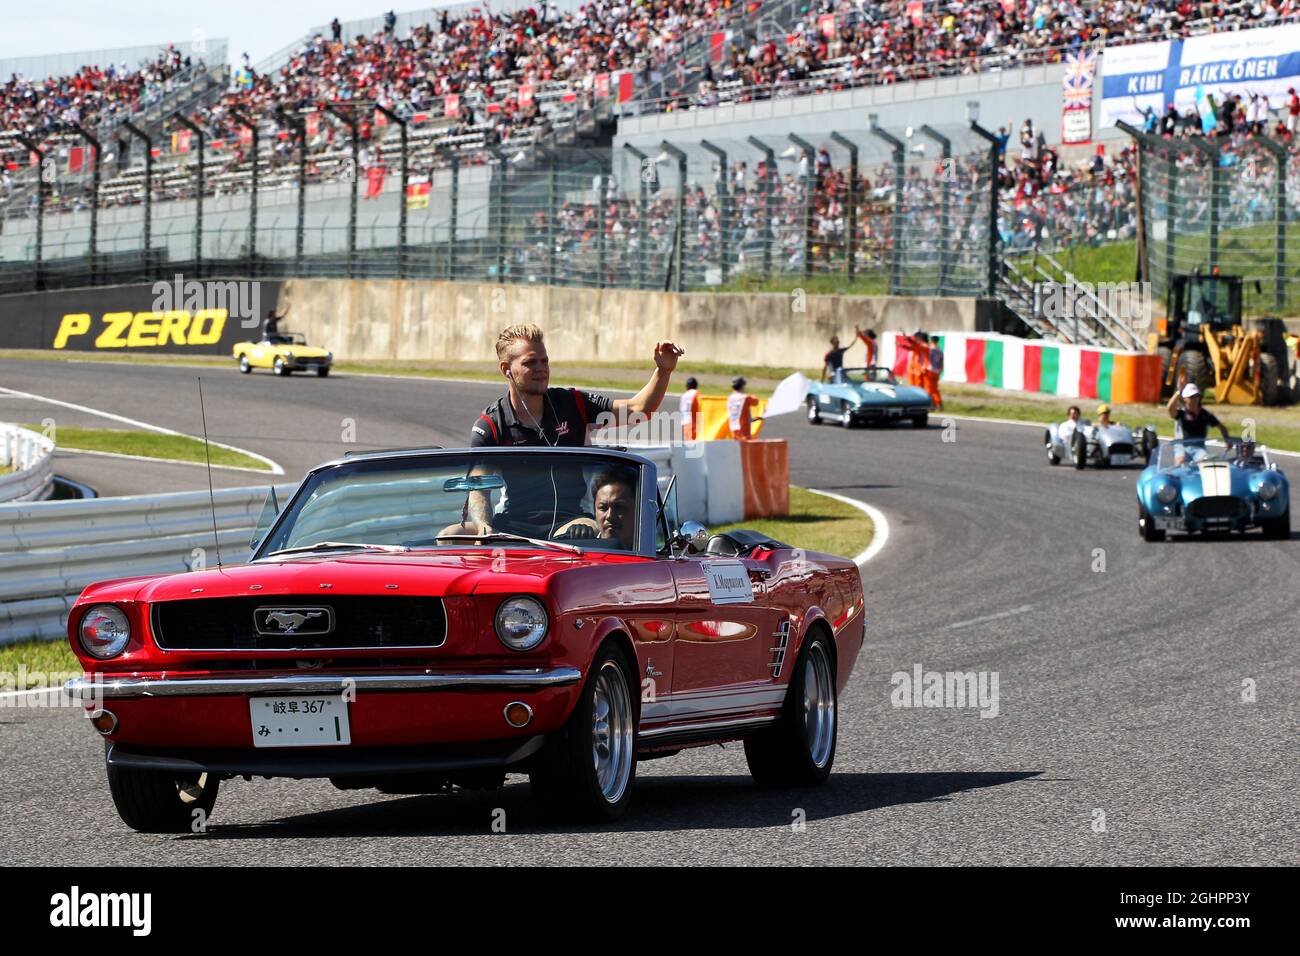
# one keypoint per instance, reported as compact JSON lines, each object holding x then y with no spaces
{"x":666,"y":355}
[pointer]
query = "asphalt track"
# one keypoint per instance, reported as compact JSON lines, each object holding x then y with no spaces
{"x":1121,"y":691}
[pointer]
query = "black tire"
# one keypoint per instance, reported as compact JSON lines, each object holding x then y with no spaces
{"x":244,"y":365}
{"x":564,"y":777}
{"x":781,"y":755}
{"x":1103,"y":461}
{"x":323,"y":371}
{"x":1270,"y":379}
{"x":1198,"y":370}
{"x":1147,"y":528}
{"x":1079,"y":451}
{"x":279,"y":367}
{"x":814,"y":414}
{"x":1052,"y":457}
{"x":846,"y":415}
{"x":153,"y":801}
{"x":1277,"y":529}
{"x":920,"y":421}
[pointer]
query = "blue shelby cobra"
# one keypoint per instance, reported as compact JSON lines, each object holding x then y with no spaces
{"x":1194,"y":487}
{"x":870,"y":394}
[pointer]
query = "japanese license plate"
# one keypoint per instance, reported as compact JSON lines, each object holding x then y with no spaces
{"x":1120,"y":459}
{"x":300,"y":721}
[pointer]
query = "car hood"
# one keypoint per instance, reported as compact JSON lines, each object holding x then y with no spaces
{"x":421,"y":574}
{"x":1213,"y":479}
{"x":881,"y":393}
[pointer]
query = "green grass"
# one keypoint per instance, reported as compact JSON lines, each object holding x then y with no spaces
{"x":39,"y":660}
{"x":149,"y":445}
{"x":815,"y":523}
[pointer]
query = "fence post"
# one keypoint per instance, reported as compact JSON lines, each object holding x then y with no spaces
{"x":405,"y":180}
{"x":252,"y":199}
{"x":38,"y":276}
{"x":353,"y":127}
{"x":94,"y":201}
{"x":945,"y":206}
{"x":148,"y":192}
{"x":994,"y":238}
{"x":769,"y":158}
{"x":1216,"y":190}
{"x":679,"y":218}
{"x":851,"y":198}
{"x":602,"y":202}
{"x":724,"y":208}
{"x":1279,"y":152}
{"x":643,"y":204}
{"x":896,"y":227}
{"x":454,"y":213}
{"x":198,"y":203}
{"x":300,"y":129}
{"x":809,"y":187}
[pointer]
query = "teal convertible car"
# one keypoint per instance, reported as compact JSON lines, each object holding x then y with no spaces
{"x":1196,"y":487}
{"x":867,"y":395}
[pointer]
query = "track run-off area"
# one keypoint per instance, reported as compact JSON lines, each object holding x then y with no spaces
{"x":1146,"y":711}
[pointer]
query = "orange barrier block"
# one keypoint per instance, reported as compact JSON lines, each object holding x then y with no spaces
{"x":1135,"y":378}
{"x":766,"y":469}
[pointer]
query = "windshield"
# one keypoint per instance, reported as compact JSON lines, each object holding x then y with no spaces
{"x":425,"y":501}
{"x":1178,"y":454}
{"x":876,"y":373}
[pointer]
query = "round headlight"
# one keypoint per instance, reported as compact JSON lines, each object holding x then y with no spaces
{"x":1268,"y":490}
{"x":521,"y":623}
{"x":1166,"y":493}
{"x":104,"y":631}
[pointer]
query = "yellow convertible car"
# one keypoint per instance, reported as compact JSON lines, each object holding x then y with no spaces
{"x":283,"y":353}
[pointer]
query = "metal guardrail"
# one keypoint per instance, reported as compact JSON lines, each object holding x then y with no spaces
{"x":50,"y":551}
{"x":31,"y":456}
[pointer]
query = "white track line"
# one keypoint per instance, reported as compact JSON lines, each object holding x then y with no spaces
{"x":275,"y":468}
{"x":161,"y":461}
{"x":1023,"y":609}
{"x":881,"y":535}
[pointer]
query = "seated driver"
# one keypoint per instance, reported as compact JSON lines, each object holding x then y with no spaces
{"x":613,"y":495}
{"x":1067,"y":427}
{"x":1103,"y":416}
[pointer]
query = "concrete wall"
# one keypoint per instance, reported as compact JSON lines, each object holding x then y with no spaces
{"x":425,"y":320}
{"x":1005,"y":97}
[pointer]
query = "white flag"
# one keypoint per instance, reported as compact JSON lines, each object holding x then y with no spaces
{"x":788,"y":396}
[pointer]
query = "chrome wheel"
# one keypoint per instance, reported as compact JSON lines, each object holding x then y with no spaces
{"x":611,"y":732}
{"x":818,"y":705}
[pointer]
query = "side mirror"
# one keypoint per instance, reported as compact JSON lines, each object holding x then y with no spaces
{"x":694,"y":536}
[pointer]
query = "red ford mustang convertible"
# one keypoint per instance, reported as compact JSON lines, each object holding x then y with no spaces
{"x":418,"y":620}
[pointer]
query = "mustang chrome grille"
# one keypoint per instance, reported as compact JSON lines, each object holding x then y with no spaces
{"x":299,"y":622}
{"x":1217,"y":506}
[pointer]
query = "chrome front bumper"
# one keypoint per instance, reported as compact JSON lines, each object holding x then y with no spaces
{"x":99,"y":687}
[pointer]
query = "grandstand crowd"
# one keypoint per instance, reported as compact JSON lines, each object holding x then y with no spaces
{"x":479,"y":80}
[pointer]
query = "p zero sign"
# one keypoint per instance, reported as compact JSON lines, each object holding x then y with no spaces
{"x":200,"y":318}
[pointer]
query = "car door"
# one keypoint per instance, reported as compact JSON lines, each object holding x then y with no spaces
{"x":723,"y":639}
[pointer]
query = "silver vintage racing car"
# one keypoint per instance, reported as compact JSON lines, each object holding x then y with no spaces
{"x":1102,"y":444}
